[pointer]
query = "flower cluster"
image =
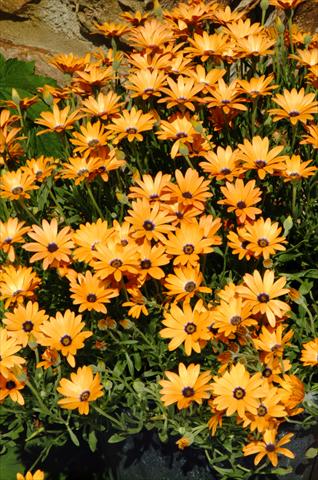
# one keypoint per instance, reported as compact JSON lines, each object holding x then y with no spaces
{"x":167,"y":208}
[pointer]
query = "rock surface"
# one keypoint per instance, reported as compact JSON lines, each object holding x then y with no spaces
{"x":12,"y":6}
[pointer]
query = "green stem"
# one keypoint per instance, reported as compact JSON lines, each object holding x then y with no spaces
{"x":109,"y":417}
{"x":254,"y":113}
{"x":91,"y":196}
{"x":294,"y":199}
{"x":28,"y":211}
{"x":39,"y":399}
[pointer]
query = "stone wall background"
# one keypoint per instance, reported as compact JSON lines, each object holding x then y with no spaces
{"x":36,"y":29}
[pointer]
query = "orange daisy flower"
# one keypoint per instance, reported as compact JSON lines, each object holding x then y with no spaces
{"x":80,"y":168}
{"x":146,"y":83}
{"x":115,"y":260}
{"x":10,"y":387}
{"x":58,"y":120}
{"x":17,"y":185}
{"x":263,"y":237}
{"x":111,"y":29}
{"x":296,"y":106}
{"x":184,"y":283}
{"x":238,"y":391}
{"x":206,"y":79}
{"x":231,"y":318}
{"x":151,"y":258}
{"x":11,"y":232}
{"x":186,"y":325}
{"x":292,"y":392}
{"x":190,"y":189}
{"x":261,"y":295}
{"x":16,"y":283}
{"x":137,"y":303}
{"x":94,"y":76}
{"x":92,"y":137}
{"x":148,"y":221}
{"x":206,"y":46}
{"x":87,"y":237}
{"x":151,"y":37}
{"x":256,"y":155}
{"x":150,"y":188}
{"x":295,"y":169}
{"x":222,"y":165}
{"x":64,"y":333}
{"x":90,"y":293}
{"x":25,"y":321}
{"x":84,"y":387}
{"x":309,"y":353}
{"x":187,"y":387}
{"x":226,"y":97}
{"x":255,"y":45}
{"x":105,"y":106}
{"x":70,"y":63}
{"x":130,"y":124}
{"x":269,"y":446}
{"x":257,"y":86}
{"x":272,"y":342}
{"x":181,"y":93}
{"x":187,"y":243}
{"x":312,"y":137}
{"x":38,"y":475}
{"x":285,"y":4}
{"x":50,"y":358}
{"x":241,"y":199}
{"x":269,"y":411}
{"x":8,"y":347}
{"x":40,"y":167}
{"x":50,"y":245}
{"x":180,"y":130}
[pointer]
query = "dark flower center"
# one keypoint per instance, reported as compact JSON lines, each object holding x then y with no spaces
{"x":148,"y":90}
{"x":267,"y":372}
{"x":10,"y":385}
{"x":236,"y":320}
{"x":81,"y":171}
{"x":262,"y":242}
{"x":84,"y":396}
{"x":27,"y":326}
{"x":261,"y":411}
{"x":189,"y":286}
{"x":263,"y":298}
{"x":181,"y":135}
{"x":52,"y":247}
{"x":145,"y":264}
{"x":270,"y":447}
{"x":225,"y":101}
{"x":124,"y":242}
{"x":275,"y":347}
{"x":116,"y":263}
{"x":154,"y":196}
{"x":148,"y":225}
{"x":294,"y":113}
{"x":131,"y":130}
{"x":93,"y":142}
{"x":91,"y":297}
{"x":187,"y":195}
{"x":7,"y":240}
{"x":190,"y":328}
{"x":225,"y":171}
{"x":188,"y":392}
{"x":179,"y":215}
{"x":17,"y":190}
{"x":294,"y":174}
{"x":241,"y":204}
{"x":260,"y":163}
{"x":66,"y":340}
{"x":188,"y":249}
{"x":244,"y":244}
{"x":239,"y":393}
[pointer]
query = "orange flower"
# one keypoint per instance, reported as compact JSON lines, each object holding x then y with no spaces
{"x":90,"y":293}
{"x":50,"y":245}
{"x":269,"y":412}
{"x":241,"y":199}
{"x":25,"y":321}
{"x":180,"y":130}
{"x":58,"y":120}
{"x":148,"y":221}
{"x":263,"y":237}
{"x":269,"y":446}
{"x":257,"y":86}
{"x":226,"y":97}
{"x":181,"y":93}
{"x":206,"y":79}
{"x":151,"y":37}
{"x":255,"y":45}
{"x":184,"y":283}
{"x":104,"y":106}
{"x":190,"y":189}
{"x":50,"y":358}
{"x":115,"y":260}
{"x":150,"y":261}
{"x":309,"y":353}
{"x":222,"y":165}
{"x":231,"y":318}
{"x":11,"y":232}
{"x":243,"y":28}
{"x":8,"y":347}
{"x":41,"y":167}
{"x":272,"y":342}
{"x":111,"y":29}
{"x":187,"y":387}
{"x":261,"y":294}
{"x":87,"y":237}
{"x":295,"y":169}
{"x":63,"y":333}
{"x":294,"y":106}
{"x":285,"y":4}
{"x":16,"y":185}
{"x":146,"y":83}
{"x":10,"y":387}
{"x":312,"y":137}
{"x":256,"y":155}
{"x":94,"y":76}
{"x":206,"y":45}
{"x":130,"y":123}
{"x":186,"y":326}
{"x":92,"y":137}
{"x":150,"y":188}
{"x":16,"y":283}
{"x":187,"y":243}
{"x":69,"y":63}
{"x":38,"y":475}
{"x":83,"y":388}
{"x":137,"y":304}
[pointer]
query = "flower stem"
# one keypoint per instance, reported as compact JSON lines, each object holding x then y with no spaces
{"x":91,"y":196}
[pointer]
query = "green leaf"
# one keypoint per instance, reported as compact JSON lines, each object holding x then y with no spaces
{"x":311,"y":453}
{"x":130,"y":365}
{"x":10,"y":465}
{"x":73,"y":437}
{"x":282,"y":470}
{"x":138,"y":386}
{"x":92,"y":441}
{"x":288,"y":223}
{"x":116,"y":438}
